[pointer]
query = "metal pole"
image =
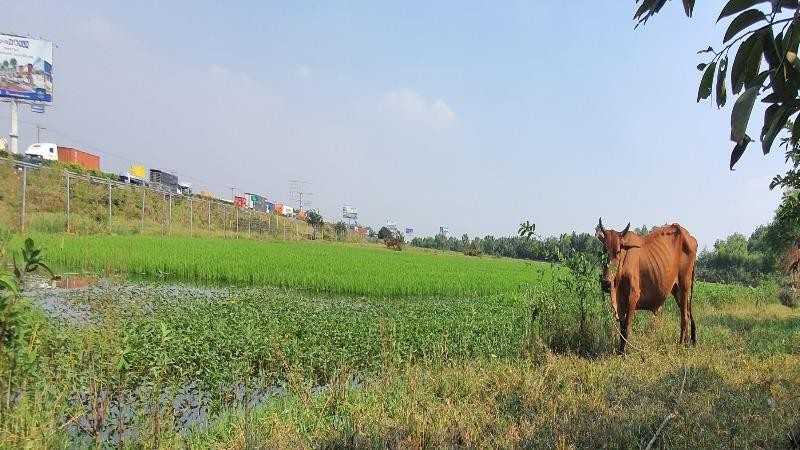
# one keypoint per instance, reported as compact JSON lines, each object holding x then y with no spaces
{"x":169,"y":221}
{"x":68,"y":205}
{"x":141,"y":225}
{"x":209,"y":216}
{"x":237,"y":220}
{"x":24,"y":189}
{"x":14,"y":136}
{"x":284,"y":230}
{"x":109,"y":206}
{"x":249,"y":223}
{"x":191,"y":218}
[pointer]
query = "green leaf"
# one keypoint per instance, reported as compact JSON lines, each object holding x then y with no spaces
{"x":7,"y":282}
{"x":643,"y":8}
{"x":705,"y":83}
{"x":770,"y":53}
{"x":778,"y":123}
{"x":47,"y":268}
{"x":688,"y":7}
{"x":796,"y":131}
{"x":722,"y":94}
{"x":769,"y":114}
{"x":738,"y":150}
{"x":739,"y":67}
{"x":708,"y":50}
{"x":735,"y":6}
{"x":743,"y":21}
{"x":701,"y":66}
{"x":791,"y":40}
{"x":740,"y":115}
{"x":759,"y":79}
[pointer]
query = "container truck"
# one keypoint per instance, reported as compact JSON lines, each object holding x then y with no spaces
{"x":69,"y":155}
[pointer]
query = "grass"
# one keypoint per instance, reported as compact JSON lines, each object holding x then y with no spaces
{"x":376,"y":348}
{"x":741,"y":389}
{"x":318,"y":267}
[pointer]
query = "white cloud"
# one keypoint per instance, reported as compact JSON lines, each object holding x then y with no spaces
{"x":413,"y":106}
{"x":305,"y":72}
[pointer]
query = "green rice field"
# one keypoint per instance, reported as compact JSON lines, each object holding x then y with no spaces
{"x":315,"y":266}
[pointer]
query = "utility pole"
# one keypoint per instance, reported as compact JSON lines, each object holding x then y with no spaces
{"x":39,"y":129}
{"x":14,"y":136}
{"x":299,"y":189}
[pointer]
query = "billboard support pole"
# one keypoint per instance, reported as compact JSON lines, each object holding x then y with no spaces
{"x":14,"y":136}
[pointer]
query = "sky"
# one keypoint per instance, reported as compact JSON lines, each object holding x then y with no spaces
{"x":427,"y":114}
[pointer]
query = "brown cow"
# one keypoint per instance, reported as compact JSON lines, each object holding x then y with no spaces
{"x":641,"y":271}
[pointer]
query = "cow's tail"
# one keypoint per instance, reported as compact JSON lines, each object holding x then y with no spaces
{"x":691,"y":317}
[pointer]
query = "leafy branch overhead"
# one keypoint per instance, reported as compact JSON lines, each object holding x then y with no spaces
{"x":762,"y":38}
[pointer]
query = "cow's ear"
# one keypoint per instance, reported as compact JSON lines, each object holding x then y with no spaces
{"x":628,"y":242}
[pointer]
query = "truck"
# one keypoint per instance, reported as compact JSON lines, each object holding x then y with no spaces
{"x":164,"y":181}
{"x":42,"y":151}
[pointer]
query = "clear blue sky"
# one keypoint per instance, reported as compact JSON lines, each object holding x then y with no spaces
{"x":475,"y":117}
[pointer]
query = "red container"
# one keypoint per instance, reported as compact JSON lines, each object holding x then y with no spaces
{"x":241,"y":202}
{"x":69,"y":155}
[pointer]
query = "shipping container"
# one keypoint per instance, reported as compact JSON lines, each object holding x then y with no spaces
{"x":241,"y":202}
{"x":278,"y":208}
{"x":270,"y":207}
{"x":302,"y":215}
{"x":69,"y":155}
{"x":165,"y":178}
{"x":287,"y":211}
{"x":137,"y":171}
{"x":206,"y":194}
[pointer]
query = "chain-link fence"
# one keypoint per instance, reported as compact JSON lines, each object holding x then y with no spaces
{"x":52,"y":199}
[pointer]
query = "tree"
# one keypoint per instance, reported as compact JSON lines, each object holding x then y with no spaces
{"x":314,"y":218}
{"x":384,"y":233}
{"x":754,"y":31}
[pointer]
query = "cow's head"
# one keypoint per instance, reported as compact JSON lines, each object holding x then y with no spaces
{"x":614,"y":244}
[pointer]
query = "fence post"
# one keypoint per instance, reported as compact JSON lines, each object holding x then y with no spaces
{"x":284,"y":230}
{"x":68,"y":205}
{"x":24,"y":188}
{"x":169,"y":220}
{"x":109,"y":206}
{"x":249,"y":223}
{"x":237,"y":221}
{"x":191,"y":218}
{"x":141,"y":224}
{"x":209,"y":216}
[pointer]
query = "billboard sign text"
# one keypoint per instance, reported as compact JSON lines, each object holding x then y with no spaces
{"x":26,"y":68}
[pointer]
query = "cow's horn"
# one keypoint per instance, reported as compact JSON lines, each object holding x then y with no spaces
{"x":625,"y":231}
{"x":602,"y":228}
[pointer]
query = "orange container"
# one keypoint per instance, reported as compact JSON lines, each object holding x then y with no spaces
{"x":71,"y":155}
{"x":278,"y":208}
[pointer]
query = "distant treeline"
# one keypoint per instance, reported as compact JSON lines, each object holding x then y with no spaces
{"x":547,"y":249}
{"x":737,"y":259}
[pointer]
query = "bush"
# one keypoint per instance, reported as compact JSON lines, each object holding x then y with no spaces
{"x":787,"y":294}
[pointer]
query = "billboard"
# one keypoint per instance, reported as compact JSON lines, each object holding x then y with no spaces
{"x":26,"y":68}
{"x":350,"y":212}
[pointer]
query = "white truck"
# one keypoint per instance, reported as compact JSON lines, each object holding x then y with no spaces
{"x":42,"y":152}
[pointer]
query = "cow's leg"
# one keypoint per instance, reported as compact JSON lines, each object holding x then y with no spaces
{"x":633,"y":299}
{"x":682,"y":301}
{"x":622,"y":334}
{"x":686,"y":281}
